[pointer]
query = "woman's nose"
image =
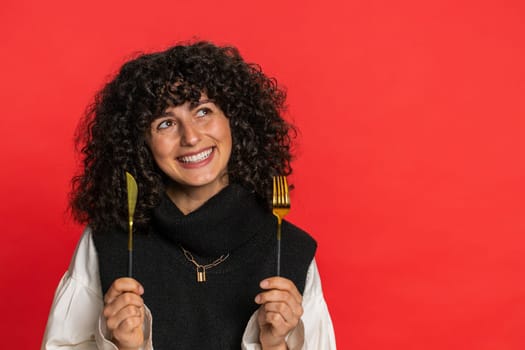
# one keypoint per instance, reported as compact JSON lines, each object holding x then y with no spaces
{"x":190,"y":135}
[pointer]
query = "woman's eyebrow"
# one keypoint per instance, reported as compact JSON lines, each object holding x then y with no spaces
{"x":193,"y":105}
{"x":201,"y":102}
{"x":167,"y":113}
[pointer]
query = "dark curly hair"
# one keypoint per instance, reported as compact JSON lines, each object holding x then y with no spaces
{"x":111,"y":136}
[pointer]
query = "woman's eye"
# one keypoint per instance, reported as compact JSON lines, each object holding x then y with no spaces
{"x":203,"y":112}
{"x":165,"y":124}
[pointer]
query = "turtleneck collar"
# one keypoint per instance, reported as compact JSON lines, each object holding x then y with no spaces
{"x":218,"y":227}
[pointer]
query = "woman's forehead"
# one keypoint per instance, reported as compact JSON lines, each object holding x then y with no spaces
{"x":194,"y":103}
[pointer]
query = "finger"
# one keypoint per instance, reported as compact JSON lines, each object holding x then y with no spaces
{"x":123,"y":285}
{"x":282,"y":283}
{"x":126,"y":319}
{"x":275,"y":323}
{"x":265,"y":319}
{"x":289,"y":315}
{"x":129,"y":335}
{"x":278,"y":296}
{"x":121,"y":302}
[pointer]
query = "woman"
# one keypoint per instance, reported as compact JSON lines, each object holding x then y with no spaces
{"x":201,"y":131}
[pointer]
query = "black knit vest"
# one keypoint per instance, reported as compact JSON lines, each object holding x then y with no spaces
{"x":212,"y":314}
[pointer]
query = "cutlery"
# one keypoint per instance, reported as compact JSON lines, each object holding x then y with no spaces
{"x":132,"y":190}
{"x":280,"y":207}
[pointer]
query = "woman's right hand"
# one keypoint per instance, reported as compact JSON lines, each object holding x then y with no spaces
{"x":124,"y":313}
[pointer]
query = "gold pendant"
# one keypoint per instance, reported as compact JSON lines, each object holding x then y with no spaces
{"x":201,"y":274}
{"x":201,"y":269}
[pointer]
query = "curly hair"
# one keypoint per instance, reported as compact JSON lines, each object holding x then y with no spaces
{"x":111,"y":136}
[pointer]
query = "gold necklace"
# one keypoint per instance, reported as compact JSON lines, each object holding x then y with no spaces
{"x":201,"y":269}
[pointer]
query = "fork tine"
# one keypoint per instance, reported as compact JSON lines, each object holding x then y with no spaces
{"x":274,"y":199}
{"x":286,"y":194}
{"x":281,"y":191}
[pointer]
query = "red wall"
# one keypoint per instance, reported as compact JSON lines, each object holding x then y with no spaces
{"x":410,"y":170}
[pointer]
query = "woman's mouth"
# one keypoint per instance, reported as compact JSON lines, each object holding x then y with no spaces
{"x":196,"y":158}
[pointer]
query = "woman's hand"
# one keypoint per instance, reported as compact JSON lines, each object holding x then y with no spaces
{"x":124,"y":312}
{"x":279,"y":313}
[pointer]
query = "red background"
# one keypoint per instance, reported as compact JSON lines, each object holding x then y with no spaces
{"x":410,"y":170}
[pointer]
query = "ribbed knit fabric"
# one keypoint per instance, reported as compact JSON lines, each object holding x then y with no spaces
{"x":213,"y":314}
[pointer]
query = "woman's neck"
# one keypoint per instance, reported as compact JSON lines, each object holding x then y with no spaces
{"x":188,"y":199}
{"x":220,"y":225}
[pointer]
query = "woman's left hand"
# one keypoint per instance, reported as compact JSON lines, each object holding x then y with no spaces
{"x":280,"y":311}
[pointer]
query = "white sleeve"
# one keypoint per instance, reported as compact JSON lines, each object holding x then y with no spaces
{"x":314,"y":331}
{"x":75,"y":321}
{"x":318,"y":328}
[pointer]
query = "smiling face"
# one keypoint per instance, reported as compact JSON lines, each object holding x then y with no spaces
{"x":191,"y":144}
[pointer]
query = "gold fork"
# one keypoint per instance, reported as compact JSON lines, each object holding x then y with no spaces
{"x":281,"y":207}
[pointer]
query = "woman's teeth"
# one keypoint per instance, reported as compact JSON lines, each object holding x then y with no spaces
{"x":196,"y":157}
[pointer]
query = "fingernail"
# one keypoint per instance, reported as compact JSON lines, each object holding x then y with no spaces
{"x":258,"y":299}
{"x":265,"y":284}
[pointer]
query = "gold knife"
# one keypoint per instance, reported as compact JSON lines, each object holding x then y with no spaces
{"x":132,"y":202}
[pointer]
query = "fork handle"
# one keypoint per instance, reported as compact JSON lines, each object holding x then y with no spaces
{"x":278,"y":247}
{"x":278,"y":258}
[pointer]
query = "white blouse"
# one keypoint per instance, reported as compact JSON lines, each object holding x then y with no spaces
{"x":76,"y":321}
